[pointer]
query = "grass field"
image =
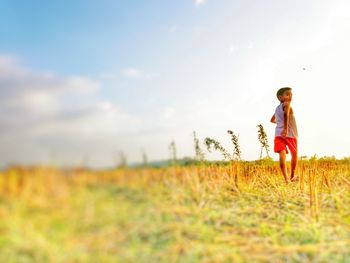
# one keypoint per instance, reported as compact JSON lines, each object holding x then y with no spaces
{"x":234,"y":212}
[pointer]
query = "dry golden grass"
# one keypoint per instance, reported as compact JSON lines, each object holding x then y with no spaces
{"x":239,"y":212}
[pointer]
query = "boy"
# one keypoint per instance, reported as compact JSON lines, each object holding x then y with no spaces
{"x":286,"y":133}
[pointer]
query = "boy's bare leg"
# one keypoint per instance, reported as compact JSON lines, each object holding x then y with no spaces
{"x":283,"y":165}
{"x":294,"y":162}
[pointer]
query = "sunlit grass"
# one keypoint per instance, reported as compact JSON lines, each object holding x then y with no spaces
{"x":240,"y":212}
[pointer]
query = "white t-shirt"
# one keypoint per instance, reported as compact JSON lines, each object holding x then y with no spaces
{"x":292,"y":126}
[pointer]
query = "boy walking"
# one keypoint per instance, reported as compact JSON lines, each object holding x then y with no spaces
{"x":286,"y":132}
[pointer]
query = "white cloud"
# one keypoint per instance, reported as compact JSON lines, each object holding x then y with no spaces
{"x":138,"y":74}
{"x":38,"y":102}
{"x":199,"y":2}
{"x":132,"y":73}
{"x":81,"y":84}
{"x":25,"y":91}
{"x":43,"y":112}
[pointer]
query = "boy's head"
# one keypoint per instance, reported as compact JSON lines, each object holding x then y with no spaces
{"x":284,"y":94}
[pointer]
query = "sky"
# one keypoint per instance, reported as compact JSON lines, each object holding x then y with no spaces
{"x":83,"y":81}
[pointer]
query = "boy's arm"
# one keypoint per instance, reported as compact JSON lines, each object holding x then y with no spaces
{"x":273,"y":119}
{"x":286,"y":118}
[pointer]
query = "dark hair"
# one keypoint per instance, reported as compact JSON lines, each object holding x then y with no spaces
{"x":282,"y":90}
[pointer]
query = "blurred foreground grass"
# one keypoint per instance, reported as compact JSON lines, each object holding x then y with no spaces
{"x":241,"y":212}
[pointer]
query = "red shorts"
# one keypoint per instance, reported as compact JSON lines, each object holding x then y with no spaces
{"x":282,"y":142}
